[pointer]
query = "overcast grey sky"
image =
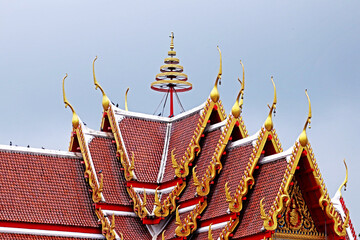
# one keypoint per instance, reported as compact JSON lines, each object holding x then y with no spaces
{"x":303,"y":44}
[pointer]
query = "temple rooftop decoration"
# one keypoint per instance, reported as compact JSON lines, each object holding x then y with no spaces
{"x":171,"y":80}
{"x":196,"y":175}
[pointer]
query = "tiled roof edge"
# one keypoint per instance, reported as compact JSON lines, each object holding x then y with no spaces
{"x":119,"y":111}
{"x":50,"y":233}
{"x":96,"y":133}
{"x":39,"y":151}
{"x":286,"y":154}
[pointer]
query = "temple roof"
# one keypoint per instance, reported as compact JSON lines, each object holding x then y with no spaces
{"x":196,"y":175}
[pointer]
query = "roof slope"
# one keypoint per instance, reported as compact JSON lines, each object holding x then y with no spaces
{"x":48,"y":189}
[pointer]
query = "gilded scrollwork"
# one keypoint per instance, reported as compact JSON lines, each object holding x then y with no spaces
{"x":296,"y":216}
{"x":107,"y":229}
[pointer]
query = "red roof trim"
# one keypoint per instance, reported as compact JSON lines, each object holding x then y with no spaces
{"x":191,"y":202}
{"x":161,"y":186}
{"x":113,"y":207}
{"x":216,"y":220}
{"x":49,"y":227}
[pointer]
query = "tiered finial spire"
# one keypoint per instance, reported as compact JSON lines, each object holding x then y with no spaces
{"x":171,"y":79}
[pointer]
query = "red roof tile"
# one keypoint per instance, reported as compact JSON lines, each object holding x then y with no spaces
{"x":11,"y":236}
{"x":103,"y":154}
{"x":267,"y":183}
{"x":132,"y":228}
{"x":233,"y":168}
{"x":146,"y":139}
{"x":38,"y":188}
{"x":181,"y":134}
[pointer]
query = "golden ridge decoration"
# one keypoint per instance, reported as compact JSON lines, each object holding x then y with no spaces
{"x":75,"y":119}
{"x":228,"y":229}
{"x":210,"y":236}
{"x":128,"y":169}
{"x":89,"y":173}
{"x":189,"y":224}
{"x":163,"y":235}
{"x":236,"y":109}
{"x":303,"y":137}
{"x":203,"y":186}
{"x":108,"y":229}
{"x":268,"y":122}
{"x":214,"y":95}
{"x":105,"y":99}
{"x":139,"y":205}
{"x":270,"y":222}
{"x":126,"y":105}
{"x":193,"y":150}
{"x":247,"y":180}
{"x":345,"y":181}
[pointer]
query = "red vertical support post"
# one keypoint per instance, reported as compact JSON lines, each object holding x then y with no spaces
{"x":171,"y":102}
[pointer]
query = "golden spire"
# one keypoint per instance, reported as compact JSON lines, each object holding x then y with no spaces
{"x":236,"y":109}
{"x":214,"y":95}
{"x":105,"y":99}
{"x":75,"y":118}
{"x":172,"y":41}
{"x":268,"y":122}
{"x":126,"y":106}
{"x":345,"y":181}
{"x":303,"y":137}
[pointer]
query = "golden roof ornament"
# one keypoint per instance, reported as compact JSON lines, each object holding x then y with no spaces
{"x":105,"y":99}
{"x":214,"y":94}
{"x":345,"y":181}
{"x":171,"y":79}
{"x":75,"y":119}
{"x":303,"y":137}
{"x":236,"y":109}
{"x":268,"y":122}
{"x":126,"y":105}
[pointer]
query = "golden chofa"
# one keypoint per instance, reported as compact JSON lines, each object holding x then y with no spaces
{"x":303,"y":137}
{"x":268,"y":122}
{"x":214,"y":94}
{"x":236,"y":109}
{"x":75,"y":119}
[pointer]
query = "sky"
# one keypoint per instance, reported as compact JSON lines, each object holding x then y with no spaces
{"x":306,"y":44}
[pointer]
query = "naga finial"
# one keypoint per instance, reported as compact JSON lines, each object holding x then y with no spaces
{"x":105,"y":99}
{"x":172,"y":41}
{"x":126,"y":106}
{"x":236,"y":109}
{"x":214,"y":95}
{"x":269,"y":123}
{"x":75,"y":119}
{"x":210,"y":236}
{"x":303,"y":137}
{"x":345,"y":181}
{"x":163,"y":235}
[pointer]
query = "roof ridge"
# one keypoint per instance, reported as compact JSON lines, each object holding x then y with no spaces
{"x":119,"y":111}
{"x":182,"y":168}
{"x":31,"y":150}
{"x":247,"y":180}
{"x":203,"y":186}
